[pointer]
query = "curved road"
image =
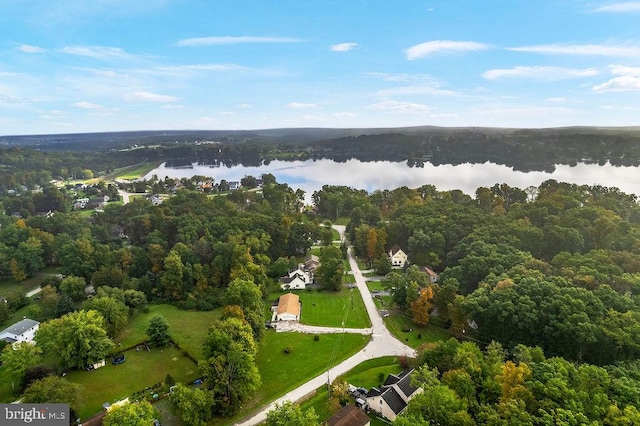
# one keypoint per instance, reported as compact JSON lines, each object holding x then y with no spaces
{"x":382,"y":343}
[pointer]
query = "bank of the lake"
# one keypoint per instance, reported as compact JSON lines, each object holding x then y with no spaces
{"x":311,"y":175}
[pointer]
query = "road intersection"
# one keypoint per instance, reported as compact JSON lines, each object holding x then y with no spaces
{"x":382,"y":343}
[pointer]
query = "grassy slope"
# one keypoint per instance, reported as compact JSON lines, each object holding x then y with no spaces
{"x":418,"y":334}
{"x":187,"y":328}
{"x":282,"y":372}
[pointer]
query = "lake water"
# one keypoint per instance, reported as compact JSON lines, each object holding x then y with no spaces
{"x":311,"y":175}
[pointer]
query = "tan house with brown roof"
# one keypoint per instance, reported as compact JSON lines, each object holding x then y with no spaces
{"x":288,"y":308}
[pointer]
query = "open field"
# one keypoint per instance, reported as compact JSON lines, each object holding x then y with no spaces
{"x":136,"y":171}
{"x":140,"y":370}
{"x":187,"y":328}
{"x":329,"y":309}
{"x":282,"y":372}
{"x":418,"y":335}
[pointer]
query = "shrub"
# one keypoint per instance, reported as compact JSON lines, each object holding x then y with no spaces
{"x":316,"y":337}
{"x":406,"y":329}
{"x":287,"y":350}
{"x":169,"y":380}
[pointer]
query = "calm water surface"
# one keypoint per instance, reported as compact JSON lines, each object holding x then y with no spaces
{"x":311,"y":175}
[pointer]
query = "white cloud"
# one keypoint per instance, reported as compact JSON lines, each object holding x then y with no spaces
{"x":245,"y":106}
{"x":298,"y":105}
{"x":625,"y":70}
{"x":27,"y":48}
{"x":582,"y":49}
{"x":416,"y":90}
{"x":345,"y":114}
{"x":150,"y":97}
{"x":343,"y":47}
{"x":97,"y":52}
{"x":218,"y":40}
{"x":630,"y":6}
{"x":625,"y":83}
{"x":86,"y":105}
{"x":399,"y":106}
{"x":558,"y":99}
{"x":540,"y":73}
{"x":627,"y":80}
{"x":425,"y":49}
{"x":170,"y":106}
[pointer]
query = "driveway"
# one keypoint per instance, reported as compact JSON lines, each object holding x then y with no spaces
{"x":294,"y":326}
{"x":382,"y":343}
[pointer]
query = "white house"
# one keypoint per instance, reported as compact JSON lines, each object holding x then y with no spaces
{"x":394,"y":395}
{"x":80,"y":203}
{"x":22,"y":331}
{"x":288,"y":308}
{"x":397,"y":256}
{"x":296,"y":279}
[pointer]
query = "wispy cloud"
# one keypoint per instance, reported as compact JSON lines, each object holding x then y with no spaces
{"x":245,"y":106}
{"x":298,"y":105}
{"x":627,"y":80}
{"x":150,"y":97}
{"x":556,"y":99}
{"x":416,"y":90}
{"x":582,"y":49}
{"x":400,"y":77}
{"x":343,"y":47}
{"x":219,"y":40}
{"x":27,"y":48}
{"x":98,"y":52}
{"x":443,"y":46}
{"x":399,"y":106}
{"x":625,"y":7}
{"x":539,"y":73}
{"x":86,"y":105}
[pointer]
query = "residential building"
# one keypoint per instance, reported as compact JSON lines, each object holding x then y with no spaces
{"x":288,"y":308}
{"x":349,"y":416}
{"x":397,"y":256}
{"x":394,"y":395}
{"x":433,"y":277}
{"x":22,"y":331}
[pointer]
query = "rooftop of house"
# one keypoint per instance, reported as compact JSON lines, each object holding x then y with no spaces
{"x":289,"y":303}
{"x":349,"y":416}
{"x":20,"y":327}
{"x":396,"y":248}
{"x":394,"y":400}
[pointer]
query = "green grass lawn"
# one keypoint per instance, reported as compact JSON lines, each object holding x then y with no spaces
{"x":328,"y":308}
{"x":140,"y":370}
{"x":282,"y":372}
{"x":187,"y":328}
{"x":418,"y":334}
{"x":6,"y":389}
{"x":134,"y":172}
{"x":376,"y":285}
{"x":11,"y":286}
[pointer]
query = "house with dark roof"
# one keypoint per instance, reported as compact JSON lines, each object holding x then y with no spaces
{"x":22,"y":331}
{"x":296,"y":279}
{"x":394,"y":395}
{"x":349,"y":416}
{"x":397,"y":256}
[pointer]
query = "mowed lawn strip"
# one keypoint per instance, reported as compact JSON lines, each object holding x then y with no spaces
{"x":140,"y":370}
{"x":329,"y":308}
{"x":418,"y":335}
{"x":187,"y":328}
{"x":308,"y":358}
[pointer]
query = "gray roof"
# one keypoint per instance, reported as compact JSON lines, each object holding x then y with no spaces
{"x":393,"y":400}
{"x":405,"y":386}
{"x":20,"y":327}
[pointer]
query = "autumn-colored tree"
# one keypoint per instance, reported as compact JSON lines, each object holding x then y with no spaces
{"x":512,"y":380}
{"x":421,"y":306}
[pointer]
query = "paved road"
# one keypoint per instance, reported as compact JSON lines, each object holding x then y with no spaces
{"x":382,"y":343}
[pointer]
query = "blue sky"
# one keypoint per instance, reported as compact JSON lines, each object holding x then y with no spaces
{"x":71,"y":66}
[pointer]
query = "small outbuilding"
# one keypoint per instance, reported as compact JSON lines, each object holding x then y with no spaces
{"x":288,"y":308}
{"x":349,"y":416}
